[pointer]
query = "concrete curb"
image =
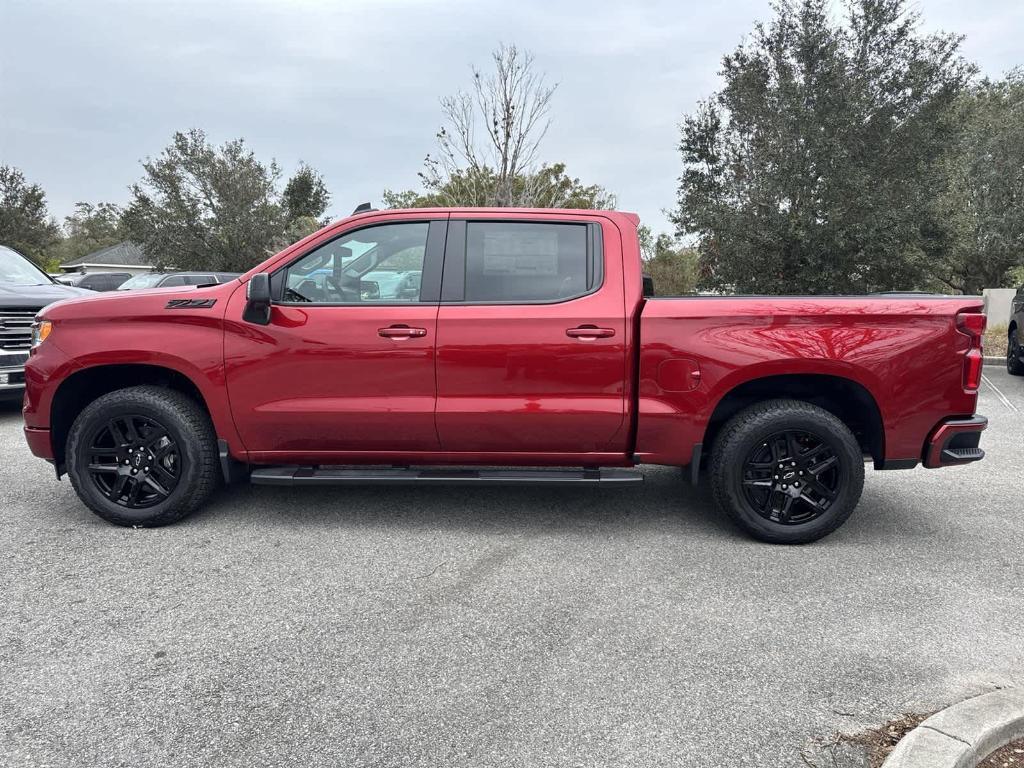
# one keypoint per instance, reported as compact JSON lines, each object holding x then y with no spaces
{"x":991,"y":359}
{"x":962,"y":735}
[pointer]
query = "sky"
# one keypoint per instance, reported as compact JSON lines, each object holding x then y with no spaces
{"x":90,"y":89}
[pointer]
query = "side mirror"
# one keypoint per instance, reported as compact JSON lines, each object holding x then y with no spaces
{"x":257,"y":305}
{"x":648,"y":290}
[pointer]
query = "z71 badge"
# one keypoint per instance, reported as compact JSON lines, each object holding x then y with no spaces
{"x":190,"y":303}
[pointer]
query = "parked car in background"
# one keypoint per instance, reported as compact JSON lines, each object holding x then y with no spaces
{"x":533,"y":352}
{"x":1015,"y":342}
{"x":96,"y":281}
{"x":24,"y":290}
{"x":175,"y":279}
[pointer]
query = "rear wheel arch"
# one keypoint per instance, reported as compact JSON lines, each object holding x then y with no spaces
{"x":848,"y":400}
{"x":85,"y":386}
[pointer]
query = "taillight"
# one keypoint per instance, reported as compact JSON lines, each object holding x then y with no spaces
{"x":972,"y":324}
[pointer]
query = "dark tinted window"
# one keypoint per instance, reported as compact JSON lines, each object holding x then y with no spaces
{"x":525,"y":262}
{"x":172,"y":281}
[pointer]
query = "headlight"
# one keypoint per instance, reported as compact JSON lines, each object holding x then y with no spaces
{"x":40,"y":330}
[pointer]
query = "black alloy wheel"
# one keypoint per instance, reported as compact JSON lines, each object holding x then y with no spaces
{"x":1014,"y":364}
{"x":143,"y":456}
{"x":792,"y":477}
{"x":133,"y":461}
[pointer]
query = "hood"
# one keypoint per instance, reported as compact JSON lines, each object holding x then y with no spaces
{"x":38,"y":296}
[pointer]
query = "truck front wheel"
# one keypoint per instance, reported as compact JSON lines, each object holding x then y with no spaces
{"x":786,"y":471}
{"x":142,"y":456}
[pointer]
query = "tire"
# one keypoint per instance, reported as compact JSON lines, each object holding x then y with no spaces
{"x":1014,"y":366}
{"x":820,"y":457}
{"x":148,"y":438}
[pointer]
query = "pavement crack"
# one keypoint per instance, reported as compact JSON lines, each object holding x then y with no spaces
{"x":950,"y":735}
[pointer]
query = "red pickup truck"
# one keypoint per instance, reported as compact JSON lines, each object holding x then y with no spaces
{"x":496,"y":345}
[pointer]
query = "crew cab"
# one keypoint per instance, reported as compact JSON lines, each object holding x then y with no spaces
{"x":531,"y":351}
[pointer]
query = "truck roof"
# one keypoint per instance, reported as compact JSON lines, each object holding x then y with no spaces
{"x":628,"y":215}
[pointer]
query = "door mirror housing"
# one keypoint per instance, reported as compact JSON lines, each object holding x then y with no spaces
{"x":257,"y":305}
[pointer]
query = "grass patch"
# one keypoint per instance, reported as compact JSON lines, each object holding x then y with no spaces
{"x":996,"y":340}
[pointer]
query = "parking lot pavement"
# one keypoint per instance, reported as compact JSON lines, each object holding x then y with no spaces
{"x":499,"y":627}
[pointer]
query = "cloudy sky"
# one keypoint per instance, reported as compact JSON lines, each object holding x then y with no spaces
{"x":88,"y":89}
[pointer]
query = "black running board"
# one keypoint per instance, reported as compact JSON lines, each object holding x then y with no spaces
{"x":292,"y":475}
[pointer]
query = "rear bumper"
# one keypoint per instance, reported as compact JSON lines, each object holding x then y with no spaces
{"x":39,"y":442}
{"x":955,"y":442}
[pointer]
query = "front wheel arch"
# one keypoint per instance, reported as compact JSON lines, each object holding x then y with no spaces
{"x":83,"y":387}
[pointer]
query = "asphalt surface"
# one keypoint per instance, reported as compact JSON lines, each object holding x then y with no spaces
{"x":499,"y":627}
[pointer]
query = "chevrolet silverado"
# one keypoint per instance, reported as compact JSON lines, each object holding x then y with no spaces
{"x":496,"y":345}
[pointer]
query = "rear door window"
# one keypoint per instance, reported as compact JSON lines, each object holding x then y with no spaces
{"x":526,"y":262}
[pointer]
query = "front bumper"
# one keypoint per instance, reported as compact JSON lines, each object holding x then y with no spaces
{"x":955,"y":442}
{"x":12,"y":374}
{"x":39,"y":442}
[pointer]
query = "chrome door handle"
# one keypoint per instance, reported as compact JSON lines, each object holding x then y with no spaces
{"x":589,"y":333}
{"x":402,"y":332}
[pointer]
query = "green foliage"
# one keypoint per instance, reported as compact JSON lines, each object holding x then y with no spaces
{"x":821,"y":165}
{"x":985,"y":205}
{"x":673,"y":267}
{"x":201,"y":207}
{"x":305,"y":195}
{"x":89,"y":228}
{"x":547,"y":187}
{"x":25,"y":224}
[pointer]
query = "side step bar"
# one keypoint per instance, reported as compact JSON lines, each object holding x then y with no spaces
{"x":292,"y":475}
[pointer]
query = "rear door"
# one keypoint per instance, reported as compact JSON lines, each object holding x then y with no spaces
{"x":531,"y":337}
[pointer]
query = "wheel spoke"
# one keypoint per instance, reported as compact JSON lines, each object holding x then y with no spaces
{"x":787,"y":504}
{"x":151,"y":481}
{"x":103,"y":468}
{"x":117,"y":490}
{"x":792,"y":449}
{"x":819,"y":468}
{"x":818,"y":487}
{"x":164,"y":475}
{"x":133,"y":494}
{"x":133,"y":433}
{"x":116,"y":432}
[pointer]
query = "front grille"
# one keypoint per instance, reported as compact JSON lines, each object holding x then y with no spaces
{"x":16,"y":328}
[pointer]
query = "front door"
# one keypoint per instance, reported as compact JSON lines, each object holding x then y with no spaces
{"x":347,"y":361}
{"x":531,"y":337}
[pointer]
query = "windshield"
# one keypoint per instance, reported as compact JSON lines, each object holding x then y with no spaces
{"x":15,"y":269}
{"x":142,"y":281}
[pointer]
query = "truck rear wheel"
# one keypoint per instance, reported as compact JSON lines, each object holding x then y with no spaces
{"x":1014,"y":365}
{"x":786,"y":471}
{"x":143,"y":456}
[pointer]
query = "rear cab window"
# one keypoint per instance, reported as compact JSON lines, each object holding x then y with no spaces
{"x":522,"y":262}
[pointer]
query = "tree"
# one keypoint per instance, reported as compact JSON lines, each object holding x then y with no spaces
{"x":986,"y":202}
{"x":305,"y":194}
{"x":672,"y":266}
{"x":88,"y":229}
{"x":25,"y":224}
{"x":201,"y":207}
{"x":550,"y":187}
{"x":820,"y":165}
{"x":488,"y":148}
